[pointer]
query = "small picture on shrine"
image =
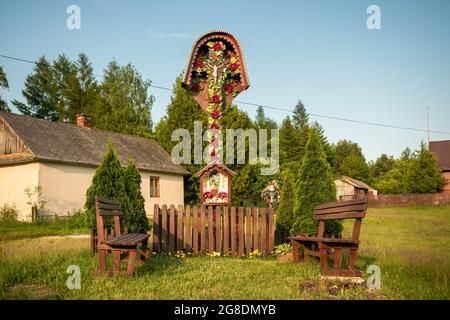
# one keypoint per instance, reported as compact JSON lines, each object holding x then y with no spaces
{"x":215,"y":184}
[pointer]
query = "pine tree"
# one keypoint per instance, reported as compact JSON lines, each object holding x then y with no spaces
{"x":314,"y":186}
{"x":301,"y":125}
{"x":289,"y":146}
{"x":134,"y":208}
{"x":329,"y":150}
{"x":425,"y":174}
{"x":262,"y":121}
{"x":108,"y":182}
{"x":3,"y":85}
{"x":285,"y":214}
{"x":40,"y":93}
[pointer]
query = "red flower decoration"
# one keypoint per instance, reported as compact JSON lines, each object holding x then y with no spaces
{"x":213,"y":155}
{"x":198,"y":63}
{"x":223,"y":195}
{"x":229,"y":88}
{"x":196,"y":86}
{"x":214,"y":126}
{"x":215,"y":114}
{"x":215,"y":99}
{"x":233,"y":67}
{"x":217,"y":46}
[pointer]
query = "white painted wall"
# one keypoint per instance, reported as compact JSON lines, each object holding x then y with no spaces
{"x":14,"y":179}
{"x":64,"y":188}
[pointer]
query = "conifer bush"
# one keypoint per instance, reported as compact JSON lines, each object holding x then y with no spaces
{"x":314,"y":186}
{"x":112,"y":181}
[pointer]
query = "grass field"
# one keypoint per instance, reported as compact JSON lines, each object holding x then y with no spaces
{"x":410,"y":245}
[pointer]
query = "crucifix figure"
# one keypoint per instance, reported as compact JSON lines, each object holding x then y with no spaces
{"x":215,"y":66}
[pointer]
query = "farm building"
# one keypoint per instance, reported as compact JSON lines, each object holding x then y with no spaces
{"x":348,"y":188}
{"x":441,"y":149}
{"x":62,"y":158}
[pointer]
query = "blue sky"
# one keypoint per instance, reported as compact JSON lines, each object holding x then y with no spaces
{"x":318,"y":51}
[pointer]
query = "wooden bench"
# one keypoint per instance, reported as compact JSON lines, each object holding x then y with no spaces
{"x":330,"y":248}
{"x":121,"y":245}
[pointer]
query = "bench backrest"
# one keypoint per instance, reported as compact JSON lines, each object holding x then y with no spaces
{"x":105,"y":208}
{"x":351,"y":209}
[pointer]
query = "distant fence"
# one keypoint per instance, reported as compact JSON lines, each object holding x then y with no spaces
{"x":203,"y":229}
{"x":405,"y":200}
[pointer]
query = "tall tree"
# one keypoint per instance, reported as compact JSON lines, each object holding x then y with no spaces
{"x":3,"y":85}
{"x":262,"y":121}
{"x":381,"y":166}
{"x":300,"y":120}
{"x":136,"y":219}
{"x":108,"y":182}
{"x":350,"y":160}
{"x":285,"y":214}
{"x":126,"y":104}
{"x":314,"y":186}
{"x":327,"y":147}
{"x":289,"y":146}
{"x":425,"y":174}
{"x":40,"y":93}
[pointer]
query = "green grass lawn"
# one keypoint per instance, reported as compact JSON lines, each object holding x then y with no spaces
{"x":15,"y":230}
{"x":410,"y":245}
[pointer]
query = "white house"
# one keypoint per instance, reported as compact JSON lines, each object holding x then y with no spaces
{"x":62,"y":158}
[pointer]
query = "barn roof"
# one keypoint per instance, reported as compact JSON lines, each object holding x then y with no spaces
{"x":355,"y":183}
{"x":68,"y":143}
{"x":441,"y":150}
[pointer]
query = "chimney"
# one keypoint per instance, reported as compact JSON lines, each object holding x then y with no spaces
{"x":83,"y":120}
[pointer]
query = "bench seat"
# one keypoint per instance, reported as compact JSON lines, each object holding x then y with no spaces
{"x":130,"y":239}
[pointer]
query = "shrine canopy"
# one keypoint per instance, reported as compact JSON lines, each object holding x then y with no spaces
{"x":216,"y":63}
{"x":215,"y":184}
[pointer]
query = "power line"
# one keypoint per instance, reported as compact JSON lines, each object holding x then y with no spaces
{"x":384,"y":125}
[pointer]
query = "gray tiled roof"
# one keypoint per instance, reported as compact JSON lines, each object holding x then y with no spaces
{"x":68,"y":143}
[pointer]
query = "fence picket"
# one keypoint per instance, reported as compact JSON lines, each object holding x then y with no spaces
{"x":202,"y":229}
{"x":263,"y":231}
{"x":248,"y":230}
{"x":218,"y":218}
{"x":241,"y":231}
{"x":195,"y":234}
{"x":233,"y":231}
{"x":226,"y":231}
{"x":187,"y":230}
{"x":164,"y":228}
{"x":156,"y":245}
{"x":172,"y":229}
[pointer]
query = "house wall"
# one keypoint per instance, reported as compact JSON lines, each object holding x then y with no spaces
{"x":446,"y":189}
{"x":64,"y":188}
{"x":344,"y":190}
{"x":14,"y":179}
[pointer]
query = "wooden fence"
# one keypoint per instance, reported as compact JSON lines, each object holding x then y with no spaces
{"x":405,"y":200}
{"x":199,"y":230}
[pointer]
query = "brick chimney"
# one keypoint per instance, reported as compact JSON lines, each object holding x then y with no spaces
{"x":83,"y":120}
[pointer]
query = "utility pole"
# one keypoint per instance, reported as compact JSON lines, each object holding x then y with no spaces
{"x":428,"y":124}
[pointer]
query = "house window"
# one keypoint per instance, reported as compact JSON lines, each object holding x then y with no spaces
{"x":154,"y":187}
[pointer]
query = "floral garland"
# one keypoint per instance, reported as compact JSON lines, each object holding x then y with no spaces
{"x":216,"y":86}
